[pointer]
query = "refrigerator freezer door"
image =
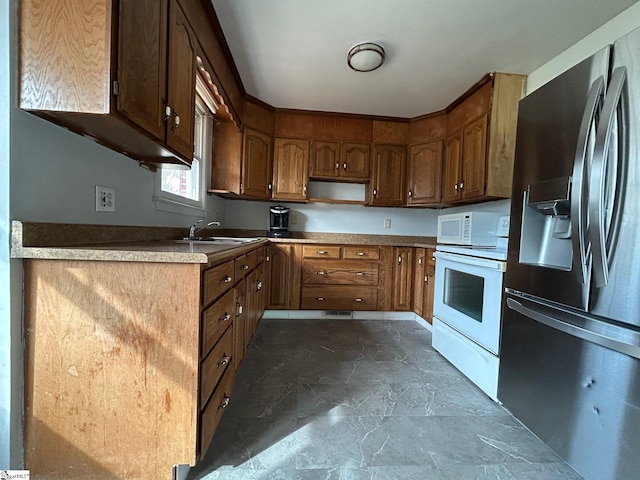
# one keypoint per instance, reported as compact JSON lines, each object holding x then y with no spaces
{"x":552,"y":134}
{"x":580,"y":398}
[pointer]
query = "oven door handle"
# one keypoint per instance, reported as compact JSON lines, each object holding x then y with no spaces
{"x":497,"y":265}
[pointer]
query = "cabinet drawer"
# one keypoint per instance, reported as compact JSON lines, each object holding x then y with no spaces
{"x":340,"y":298}
{"x":241,"y":267}
{"x":320,"y":251}
{"x":213,"y":410}
{"x":215,"y":320}
{"x":362,"y":253}
{"x":216,"y":281}
{"x":339,"y":272}
{"x":214,"y":365}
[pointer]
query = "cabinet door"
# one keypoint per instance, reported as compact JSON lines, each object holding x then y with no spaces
{"x":474,"y":158}
{"x":418,"y":280}
{"x":402,"y":278}
{"x":325,"y":160}
{"x":429,"y":285}
{"x":451,"y":168}
{"x":181,"y":82}
{"x":278,"y":272}
{"x":425,"y":174}
{"x":290,"y":169}
{"x":142,"y":69}
{"x":256,"y":165}
{"x":387,"y":182}
{"x":355,"y":161}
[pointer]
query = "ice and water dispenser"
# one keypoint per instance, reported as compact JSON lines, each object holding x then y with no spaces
{"x":545,"y":239}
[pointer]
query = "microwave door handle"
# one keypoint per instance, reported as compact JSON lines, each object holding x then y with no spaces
{"x":600,"y":230}
{"x":581,"y":166}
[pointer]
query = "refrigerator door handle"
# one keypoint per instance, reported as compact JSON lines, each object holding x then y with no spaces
{"x":603,"y":183}
{"x":581,"y":167}
{"x":592,"y":330}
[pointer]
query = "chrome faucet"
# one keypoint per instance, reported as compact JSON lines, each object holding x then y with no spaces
{"x":193,"y":228}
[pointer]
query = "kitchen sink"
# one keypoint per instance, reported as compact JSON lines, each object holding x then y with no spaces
{"x":218,"y":240}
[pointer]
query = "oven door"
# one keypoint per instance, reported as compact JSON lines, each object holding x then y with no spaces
{"x":468,"y":293}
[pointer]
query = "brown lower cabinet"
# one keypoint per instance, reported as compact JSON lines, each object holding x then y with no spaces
{"x":121,"y":354}
{"x":424,"y":282}
{"x":283,"y":276}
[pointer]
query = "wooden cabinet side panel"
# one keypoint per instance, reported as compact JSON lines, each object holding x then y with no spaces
{"x":65,"y":55}
{"x":111,"y":366}
{"x":478,"y":103}
{"x":142,"y":68}
{"x":425,"y":174}
{"x":507,"y":92}
{"x":278,"y":277}
{"x":226,"y":162}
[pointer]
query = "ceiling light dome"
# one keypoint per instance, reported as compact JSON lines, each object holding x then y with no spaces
{"x":365,"y":57}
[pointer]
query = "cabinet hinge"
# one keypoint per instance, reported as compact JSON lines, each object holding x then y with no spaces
{"x":115,"y":87}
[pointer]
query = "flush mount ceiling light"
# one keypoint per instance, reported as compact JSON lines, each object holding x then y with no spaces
{"x":365,"y":57}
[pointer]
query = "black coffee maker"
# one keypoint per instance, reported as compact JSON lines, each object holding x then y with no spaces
{"x":279,"y":222}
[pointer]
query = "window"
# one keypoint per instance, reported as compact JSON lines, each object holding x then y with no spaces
{"x":180,"y":190}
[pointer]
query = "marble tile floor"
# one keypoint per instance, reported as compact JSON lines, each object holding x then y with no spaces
{"x":365,"y":399}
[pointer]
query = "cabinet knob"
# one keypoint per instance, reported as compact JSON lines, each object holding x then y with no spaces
{"x":270,"y":187}
{"x":226,"y":279}
{"x":321,"y":273}
{"x":375,"y":192}
{"x":225,"y":318}
{"x":223,"y":361}
{"x":320,"y":299}
{"x":344,"y":165}
{"x":410,"y":194}
{"x":245,"y":267}
{"x":167,"y":112}
{"x":176,"y":121}
{"x":321,"y":252}
{"x":399,"y":259}
{"x":420,"y":261}
{"x":455,"y":187}
{"x":267,"y":259}
{"x":426,"y":279}
{"x":304,"y":189}
{"x":225,"y":402}
{"x":360,"y":254}
{"x":357,"y":300}
{"x":259,"y":285}
{"x":359,"y":274}
{"x":337,"y":165}
{"x":461,"y":185}
{"x":238,"y":309}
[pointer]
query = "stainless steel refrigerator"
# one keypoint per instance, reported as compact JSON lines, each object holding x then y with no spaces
{"x":570,"y":344}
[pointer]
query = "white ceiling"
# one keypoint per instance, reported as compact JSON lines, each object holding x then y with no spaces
{"x":292,"y":53}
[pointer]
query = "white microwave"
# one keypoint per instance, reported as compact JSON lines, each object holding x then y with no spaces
{"x":476,"y":229}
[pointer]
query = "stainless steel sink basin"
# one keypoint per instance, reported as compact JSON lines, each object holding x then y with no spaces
{"x":218,"y":240}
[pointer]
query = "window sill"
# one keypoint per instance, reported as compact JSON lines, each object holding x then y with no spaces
{"x":173,"y":206}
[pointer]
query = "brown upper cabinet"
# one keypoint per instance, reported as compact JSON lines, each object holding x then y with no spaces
{"x":340,"y":161}
{"x":388,"y":175}
{"x":241,"y":162}
{"x":122,"y":72}
{"x":480,"y":144}
{"x":425,"y":174}
{"x":290,"y":169}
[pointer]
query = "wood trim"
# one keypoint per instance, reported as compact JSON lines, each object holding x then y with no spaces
{"x":250,"y":98}
{"x":330,"y":200}
{"x":473,"y":89}
{"x":219,"y":33}
{"x":426,"y":116}
{"x":357,"y":116}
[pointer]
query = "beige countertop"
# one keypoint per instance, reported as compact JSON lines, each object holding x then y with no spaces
{"x":155,"y":244}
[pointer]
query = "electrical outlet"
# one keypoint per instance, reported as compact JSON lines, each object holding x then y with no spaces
{"x":105,"y":199}
{"x":387,"y":223}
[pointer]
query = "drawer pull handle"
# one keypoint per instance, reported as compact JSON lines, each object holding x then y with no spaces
{"x":226,"y":279}
{"x":225,"y":402}
{"x":399,"y":259}
{"x":321,"y":252}
{"x":357,"y":300}
{"x":245,"y":267}
{"x":223,"y":361}
{"x":359,"y":274}
{"x":320,"y":299}
{"x":360,"y":254}
{"x":225,"y":318}
{"x":321,"y":273}
{"x":259,"y":285}
{"x":344,"y":165}
{"x":337,"y":165}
